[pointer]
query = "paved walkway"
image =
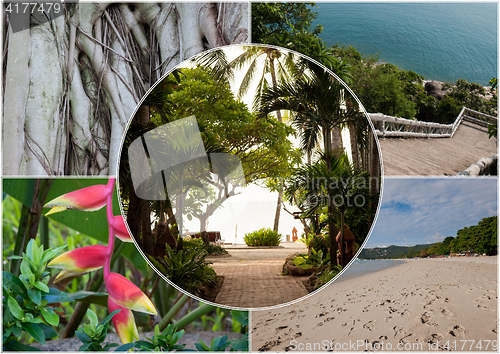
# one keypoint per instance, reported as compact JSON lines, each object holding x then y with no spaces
{"x":253,"y":276}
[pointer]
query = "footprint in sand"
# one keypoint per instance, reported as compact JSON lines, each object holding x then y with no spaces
{"x":280,"y":328}
{"x":391,"y":310}
{"x":398,"y":330}
{"x":428,"y":303}
{"x":434,"y":338}
{"x":445,"y":312}
{"x":425,"y":318}
{"x":457,"y":330}
{"x":369,"y":326}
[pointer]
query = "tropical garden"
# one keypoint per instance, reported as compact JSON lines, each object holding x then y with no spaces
{"x":57,"y":236}
{"x":276,"y":119}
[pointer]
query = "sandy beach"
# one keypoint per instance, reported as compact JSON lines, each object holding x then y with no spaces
{"x":421,"y":305}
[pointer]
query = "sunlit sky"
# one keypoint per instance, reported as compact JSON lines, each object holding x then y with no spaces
{"x":426,"y":210}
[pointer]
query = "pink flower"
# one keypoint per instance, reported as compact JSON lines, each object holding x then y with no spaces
{"x":124,"y":323}
{"x":79,"y":261}
{"x":88,"y":199}
{"x":126,"y":294}
{"x":120,"y":229}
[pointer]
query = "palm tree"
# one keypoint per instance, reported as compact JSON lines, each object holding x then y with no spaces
{"x":279,"y":64}
{"x":323,"y":182}
{"x":317,"y":102}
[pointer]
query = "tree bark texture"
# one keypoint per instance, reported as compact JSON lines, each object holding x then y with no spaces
{"x":73,"y":83}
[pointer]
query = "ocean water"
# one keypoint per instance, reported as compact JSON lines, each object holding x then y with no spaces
{"x":362,"y":267}
{"x":441,"y":41}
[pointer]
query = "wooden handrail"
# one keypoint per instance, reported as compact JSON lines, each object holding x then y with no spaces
{"x":387,"y":126}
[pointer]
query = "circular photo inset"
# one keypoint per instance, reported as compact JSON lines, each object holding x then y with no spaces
{"x":250,"y":176}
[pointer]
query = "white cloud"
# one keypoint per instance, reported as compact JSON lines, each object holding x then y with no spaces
{"x":439,"y":207}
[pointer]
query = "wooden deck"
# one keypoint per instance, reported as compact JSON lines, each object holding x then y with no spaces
{"x":437,"y":156}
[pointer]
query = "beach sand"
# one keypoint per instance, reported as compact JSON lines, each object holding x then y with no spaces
{"x":426,"y":304}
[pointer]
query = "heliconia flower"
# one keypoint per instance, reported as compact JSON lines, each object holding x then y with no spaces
{"x":120,"y":229}
{"x":79,"y":261}
{"x":88,"y":199}
{"x":124,"y":323}
{"x":125,"y":293}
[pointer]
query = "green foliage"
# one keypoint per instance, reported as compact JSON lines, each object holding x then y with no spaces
{"x":390,"y":252}
{"x":318,"y":243}
{"x":197,"y":245}
{"x":480,"y":238}
{"x":382,"y":87}
{"x":222,"y":343}
{"x":314,"y":259}
{"x":219,"y":344}
{"x":93,"y":334}
{"x":262,"y":144}
{"x":286,"y":24}
{"x":186,"y":268}
{"x":164,"y":341}
{"x":263,"y":237}
{"x":328,"y":275}
{"x":26,"y":298}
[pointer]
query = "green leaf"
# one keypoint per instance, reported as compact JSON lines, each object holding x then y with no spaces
{"x":202,"y":347}
{"x":32,"y":246}
{"x":240,"y":316}
{"x":92,"y":318}
{"x":84,"y":346}
{"x":35,"y":331}
{"x":144,"y":344}
{"x":42,"y":286}
{"x":14,"y":308}
{"x":17,"y":331}
{"x":50,"y":316}
{"x":51,"y":252}
{"x":219,"y":343}
{"x":10,"y":281}
{"x":55,"y":296}
{"x":48,"y":331}
{"x":26,"y":270}
{"x":91,"y":297}
{"x":125,"y":347}
{"x":82,"y":337}
{"x":19,"y":347}
{"x":109,"y":317}
{"x":35,"y":295}
{"x":240,"y":345}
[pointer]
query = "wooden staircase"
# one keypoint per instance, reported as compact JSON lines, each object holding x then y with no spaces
{"x":452,"y":152}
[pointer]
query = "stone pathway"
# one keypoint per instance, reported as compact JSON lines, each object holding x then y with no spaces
{"x":253,"y":279}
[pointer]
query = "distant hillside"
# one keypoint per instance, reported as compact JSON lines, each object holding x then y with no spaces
{"x":390,"y":252}
{"x":481,"y":239}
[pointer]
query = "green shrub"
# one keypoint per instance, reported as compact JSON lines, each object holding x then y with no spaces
{"x":263,"y":237}
{"x":328,"y":275}
{"x":318,"y":243}
{"x":198,"y":246}
{"x":315,"y":259}
{"x":186,"y":268}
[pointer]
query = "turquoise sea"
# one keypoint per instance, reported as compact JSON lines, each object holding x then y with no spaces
{"x":441,"y":41}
